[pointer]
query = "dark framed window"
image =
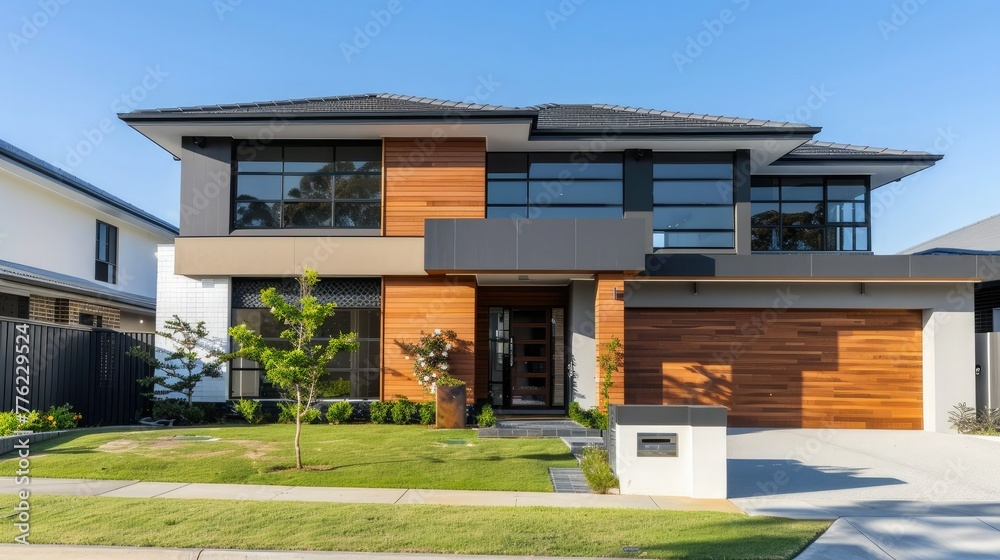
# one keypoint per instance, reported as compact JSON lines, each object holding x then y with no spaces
{"x":352,"y":375}
{"x":553,"y":185}
{"x":693,"y":201}
{"x":106,"y":264}
{"x":13,"y":306}
{"x":810,"y":214}
{"x":90,"y":320}
{"x":299,"y":185}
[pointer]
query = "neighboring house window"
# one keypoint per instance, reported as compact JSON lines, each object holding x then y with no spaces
{"x":693,"y":202}
{"x":106,"y":266}
{"x":13,"y":306}
{"x":351,"y":374}
{"x":90,"y":320}
{"x":308,"y":186}
{"x":810,"y":214}
{"x":543,"y":185}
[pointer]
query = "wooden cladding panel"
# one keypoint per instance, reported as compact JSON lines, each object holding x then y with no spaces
{"x":609,"y":322}
{"x":790,"y":368}
{"x":506,"y":296}
{"x":412,"y":304}
{"x":432,"y":178}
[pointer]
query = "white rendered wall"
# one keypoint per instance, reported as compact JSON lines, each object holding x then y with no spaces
{"x":46,"y":230}
{"x":949,"y":365}
{"x":698,"y":471}
{"x":581,"y":343}
{"x":205,"y":299}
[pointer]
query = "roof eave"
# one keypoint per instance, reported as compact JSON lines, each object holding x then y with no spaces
{"x":719,"y":131}
{"x":805,"y":158}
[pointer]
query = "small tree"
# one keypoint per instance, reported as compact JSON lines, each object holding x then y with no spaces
{"x":296,"y":370}
{"x":192,"y":359}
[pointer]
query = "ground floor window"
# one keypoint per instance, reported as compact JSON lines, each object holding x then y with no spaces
{"x":352,"y":375}
{"x":13,"y":306}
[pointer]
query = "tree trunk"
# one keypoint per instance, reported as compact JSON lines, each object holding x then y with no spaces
{"x":298,"y":428}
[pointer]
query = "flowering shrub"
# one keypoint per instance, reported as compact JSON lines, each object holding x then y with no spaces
{"x":430,"y":357}
{"x":55,"y":418}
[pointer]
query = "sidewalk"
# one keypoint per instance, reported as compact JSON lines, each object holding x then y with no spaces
{"x":136,"y":489}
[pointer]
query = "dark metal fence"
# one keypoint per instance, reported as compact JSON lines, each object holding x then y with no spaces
{"x":87,"y":368}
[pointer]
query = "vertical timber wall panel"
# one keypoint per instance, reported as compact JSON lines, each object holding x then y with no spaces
{"x":609,"y":322}
{"x":414,"y":304}
{"x":432,"y":178}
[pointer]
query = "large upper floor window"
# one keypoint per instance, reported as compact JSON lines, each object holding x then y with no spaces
{"x":553,"y":185}
{"x":693,"y":201}
{"x":308,"y":186}
{"x":810,"y":214}
{"x":106,"y":263}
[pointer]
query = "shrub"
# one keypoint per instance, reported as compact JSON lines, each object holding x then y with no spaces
{"x":428,"y":412}
{"x":486,"y":417}
{"x":430,"y":357}
{"x":403,"y":411}
{"x":965,"y":420}
{"x":593,"y":418}
{"x":339,"y":412}
{"x":55,"y":418}
{"x":175,"y":409}
{"x":597,"y":470}
{"x":379,"y":412}
{"x":286,"y":414}
{"x":249,"y":410}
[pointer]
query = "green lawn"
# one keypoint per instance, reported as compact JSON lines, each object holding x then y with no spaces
{"x":410,"y":528}
{"x":354,"y":455}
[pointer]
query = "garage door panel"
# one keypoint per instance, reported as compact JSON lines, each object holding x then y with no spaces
{"x":794,"y":368}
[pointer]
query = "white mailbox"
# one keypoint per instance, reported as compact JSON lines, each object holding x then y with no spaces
{"x":668,"y":450}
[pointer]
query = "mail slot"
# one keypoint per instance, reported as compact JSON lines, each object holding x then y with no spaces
{"x":656,"y":445}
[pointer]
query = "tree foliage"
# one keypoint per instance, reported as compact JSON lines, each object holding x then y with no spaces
{"x":193,"y":358}
{"x":298,"y":368}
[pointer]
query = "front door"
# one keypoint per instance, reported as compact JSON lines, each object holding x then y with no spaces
{"x":521,"y":357}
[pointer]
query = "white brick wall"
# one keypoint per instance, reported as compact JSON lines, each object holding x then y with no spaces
{"x":203,"y":299}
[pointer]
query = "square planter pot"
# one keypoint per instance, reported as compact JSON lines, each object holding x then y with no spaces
{"x":451,"y":407}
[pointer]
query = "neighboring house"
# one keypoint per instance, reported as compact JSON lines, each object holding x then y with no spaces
{"x":72,"y":254}
{"x":731,"y":256}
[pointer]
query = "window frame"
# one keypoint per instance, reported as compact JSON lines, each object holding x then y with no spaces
{"x":826,"y":227}
{"x":110,"y":264}
{"x":514,"y":168}
{"x":282,"y":201}
{"x":679,"y":158}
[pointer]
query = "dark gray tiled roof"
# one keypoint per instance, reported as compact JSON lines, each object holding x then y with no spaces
{"x":38,"y":165}
{"x":47,"y":278}
{"x":557,"y":116}
{"x":366,"y":102}
{"x":832,"y":149}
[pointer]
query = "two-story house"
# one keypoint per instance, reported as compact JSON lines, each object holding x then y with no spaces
{"x":71,"y":253}
{"x":730,"y":256}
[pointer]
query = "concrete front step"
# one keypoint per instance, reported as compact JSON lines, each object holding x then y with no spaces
{"x":537,"y":429}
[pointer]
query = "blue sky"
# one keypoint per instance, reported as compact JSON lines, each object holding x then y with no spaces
{"x":913,"y":74}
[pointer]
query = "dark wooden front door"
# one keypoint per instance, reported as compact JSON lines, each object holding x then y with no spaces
{"x":521,"y":356}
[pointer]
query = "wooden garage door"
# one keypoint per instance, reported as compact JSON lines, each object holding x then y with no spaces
{"x":780,"y":368}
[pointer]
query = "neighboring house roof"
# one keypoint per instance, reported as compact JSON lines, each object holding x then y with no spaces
{"x":983,"y":235}
{"x":949,"y":251}
{"x":42,"y":167}
{"x":54,"y":280}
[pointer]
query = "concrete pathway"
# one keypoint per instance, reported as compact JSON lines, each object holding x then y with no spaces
{"x":900,"y":538}
{"x":135,"y":489}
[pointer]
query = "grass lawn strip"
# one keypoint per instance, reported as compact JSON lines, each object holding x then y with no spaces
{"x":410,"y":528}
{"x":359,"y":456}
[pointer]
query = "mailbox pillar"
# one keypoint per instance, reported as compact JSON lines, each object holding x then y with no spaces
{"x":668,"y":450}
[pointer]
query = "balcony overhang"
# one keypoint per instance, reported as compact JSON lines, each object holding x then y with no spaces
{"x":816,"y":266}
{"x":539,"y":245}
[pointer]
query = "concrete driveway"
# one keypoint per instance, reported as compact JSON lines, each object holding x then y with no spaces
{"x":897,"y":494}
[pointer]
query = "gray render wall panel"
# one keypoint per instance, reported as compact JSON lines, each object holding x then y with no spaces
{"x":861,"y":266}
{"x":546,"y":244}
{"x":941,"y":266}
{"x":489,"y":244}
{"x":501,"y":244}
{"x":205,"y":187}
